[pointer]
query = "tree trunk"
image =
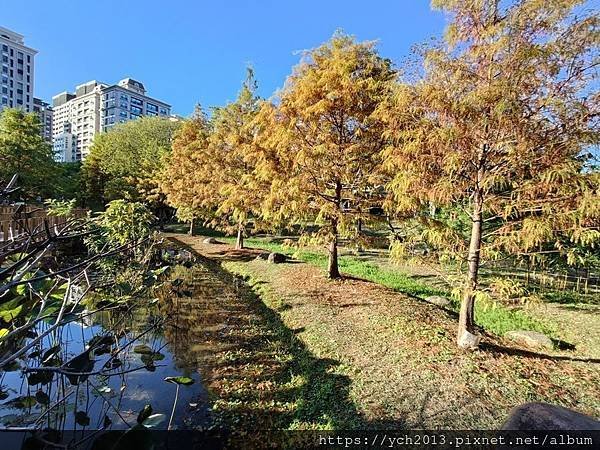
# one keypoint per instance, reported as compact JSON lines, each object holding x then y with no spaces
{"x":466,"y":338}
{"x":191,"y":232}
{"x":239,"y":243}
{"x":432,"y":209}
{"x":333,"y":270}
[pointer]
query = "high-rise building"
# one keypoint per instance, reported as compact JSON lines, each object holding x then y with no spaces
{"x":65,"y":146}
{"x":16,"y":78}
{"x":78,"y":115}
{"x":44,"y":111}
{"x":96,"y":107}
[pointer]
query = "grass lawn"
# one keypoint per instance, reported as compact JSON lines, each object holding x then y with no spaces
{"x":492,"y":317}
{"x":299,"y":351}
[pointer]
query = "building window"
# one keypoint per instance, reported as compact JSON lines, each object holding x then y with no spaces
{"x":136,"y":110}
{"x":163,"y":111}
{"x":136,"y":101}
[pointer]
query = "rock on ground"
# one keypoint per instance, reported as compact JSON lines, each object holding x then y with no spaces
{"x":438,"y":300}
{"x":469,"y":341}
{"x":276,"y":258}
{"x":210,"y":240}
{"x":543,"y":416}
{"x":531,"y":339}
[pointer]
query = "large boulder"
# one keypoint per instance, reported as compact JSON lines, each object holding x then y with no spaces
{"x":210,"y":240}
{"x":276,"y":258}
{"x":438,"y":300}
{"x":531,"y":339}
{"x":543,"y":416}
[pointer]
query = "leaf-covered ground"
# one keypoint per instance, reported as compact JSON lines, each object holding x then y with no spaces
{"x":301,"y":351}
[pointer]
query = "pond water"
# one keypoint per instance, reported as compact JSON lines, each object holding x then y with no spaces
{"x":118,"y":359}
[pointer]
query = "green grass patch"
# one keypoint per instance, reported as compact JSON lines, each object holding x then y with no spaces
{"x":497,"y":319}
{"x":569,"y":297}
{"x":350,"y":265}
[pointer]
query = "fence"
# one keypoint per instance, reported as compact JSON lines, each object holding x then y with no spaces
{"x":580,"y":280}
{"x":20,"y":221}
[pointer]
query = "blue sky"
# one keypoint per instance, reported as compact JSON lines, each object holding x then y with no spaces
{"x":188,"y":51}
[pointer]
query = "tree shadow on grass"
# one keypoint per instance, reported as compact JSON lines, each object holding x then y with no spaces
{"x":259,"y":373}
{"x":512,"y":351}
{"x":261,"y":376}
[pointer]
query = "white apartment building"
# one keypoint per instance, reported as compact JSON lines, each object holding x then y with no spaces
{"x":96,"y":107}
{"x":16,"y":77}
{"x":78,"y":115}
{"x":45,"y":113}
{"x":65,"y":146}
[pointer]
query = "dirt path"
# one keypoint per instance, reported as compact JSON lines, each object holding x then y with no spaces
{"x":398,"y":354}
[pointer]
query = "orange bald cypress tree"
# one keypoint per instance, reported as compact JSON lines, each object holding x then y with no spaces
{"x":325,"y":140}
{"x":501,"y":125}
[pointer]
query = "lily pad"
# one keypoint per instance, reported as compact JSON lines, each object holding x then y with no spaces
{"x":154,"y":420}
{"x":80,"y":363}
{"x":42,"y":398}
{"x":51,"y":352}
{"x":143,"y":349}
{"x":144,"y":413}
{"x":82,"y":418}
{"x":149,"y":359}
{"x":186,"y":381}
{"x":40,"y":377}
{"x":104,"y":389}
{"x":25,"y":401}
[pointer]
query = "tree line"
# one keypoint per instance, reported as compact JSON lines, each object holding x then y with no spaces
{"x":497,"y":127}
{"x":483,"y":147}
